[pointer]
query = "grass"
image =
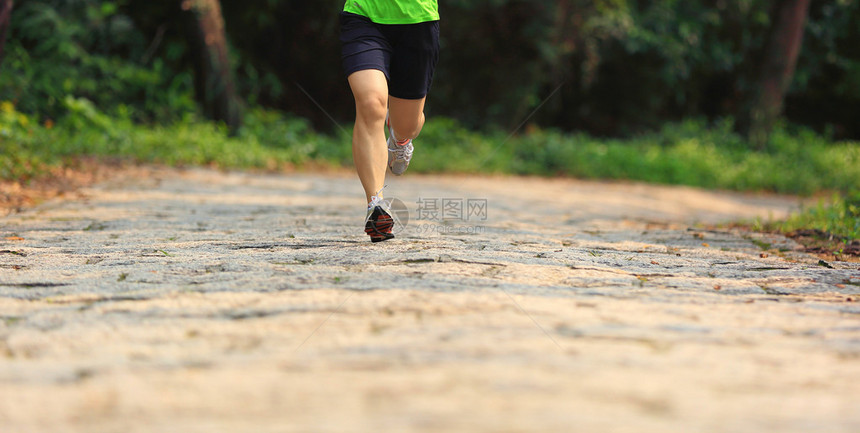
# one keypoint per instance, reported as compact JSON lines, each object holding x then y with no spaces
{"x":838,"y":218}
{"x":268,"y":141}
{"x":688,"y":153}
{"x":830,"y":229}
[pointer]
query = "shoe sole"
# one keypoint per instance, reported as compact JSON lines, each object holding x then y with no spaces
{"x":397,"y":171}
{"x":376,"y":239}
{"x":380,"y":230}
{"x":395,"y":166}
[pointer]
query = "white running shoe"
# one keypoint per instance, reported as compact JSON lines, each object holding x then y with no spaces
{"x":399,"y":152}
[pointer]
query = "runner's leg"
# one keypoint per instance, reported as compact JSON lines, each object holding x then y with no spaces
{"x":369,"y":149}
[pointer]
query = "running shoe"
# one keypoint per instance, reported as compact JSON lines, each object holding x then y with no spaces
{"x":378,"y":223}
{"x":399,"y":152}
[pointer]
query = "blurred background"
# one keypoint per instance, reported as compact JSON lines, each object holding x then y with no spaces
{"x":751,"y":95}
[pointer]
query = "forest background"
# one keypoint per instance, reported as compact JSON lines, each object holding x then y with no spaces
{"x":749,"y":95}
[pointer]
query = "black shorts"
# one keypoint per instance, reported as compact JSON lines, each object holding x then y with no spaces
{"x":406,"y":53}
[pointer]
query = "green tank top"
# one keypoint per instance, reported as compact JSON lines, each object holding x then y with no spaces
{"x":395,"y":11}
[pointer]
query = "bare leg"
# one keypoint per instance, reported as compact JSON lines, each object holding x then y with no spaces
{"x":407,"y":117}
{"x":369,"y":151}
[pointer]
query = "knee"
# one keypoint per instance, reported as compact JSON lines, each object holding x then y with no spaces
{"x":413,"y":131}
{"x":408,"y":129}
{"x":372,"y":108}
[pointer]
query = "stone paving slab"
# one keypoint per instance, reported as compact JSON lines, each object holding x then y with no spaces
{"x":205,"y":301}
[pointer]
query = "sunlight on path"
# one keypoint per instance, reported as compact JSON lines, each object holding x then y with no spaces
{"x":203,"y":301}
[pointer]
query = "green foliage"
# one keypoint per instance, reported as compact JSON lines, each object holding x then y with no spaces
{"x":629,"y":66}
{"x":624,"y":66}
{"x":87,"y":49}
{"x":17,"y":158}
{"x":688,"y":153}
{"x":268,"y":141}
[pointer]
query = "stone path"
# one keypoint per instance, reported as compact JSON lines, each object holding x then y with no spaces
{"x":199,"y":301}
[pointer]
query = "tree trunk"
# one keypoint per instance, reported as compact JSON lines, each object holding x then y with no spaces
{"x":5,"y":18}
{"x":777,"y":69}
{"x":213,"y":82}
